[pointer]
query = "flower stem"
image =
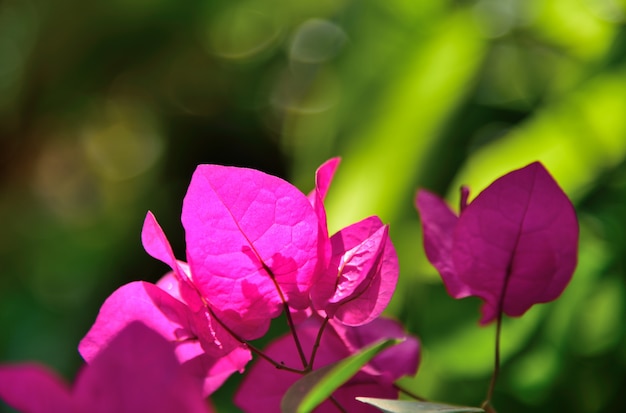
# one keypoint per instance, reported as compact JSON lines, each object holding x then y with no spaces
{"x":279,"y":366}
{"x":496,"y":369}
{"x":286,"y":308}
{"x":316,"y":345}
{"x":283,"y":300}
{"x":337,"y":404}
{"x":252,"y":348}
{"x":292,"y":327}
{"x":408,"y":392}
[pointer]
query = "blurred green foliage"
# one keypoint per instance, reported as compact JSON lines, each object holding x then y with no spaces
{"x":107,"y":107}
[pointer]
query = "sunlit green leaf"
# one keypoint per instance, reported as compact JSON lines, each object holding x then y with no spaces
{"x":311,"y":390}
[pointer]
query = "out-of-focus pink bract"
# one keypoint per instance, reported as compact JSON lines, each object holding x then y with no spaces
{"x":515,"y":245}
{"x":191,"y":334}
{"x":136,"y":373}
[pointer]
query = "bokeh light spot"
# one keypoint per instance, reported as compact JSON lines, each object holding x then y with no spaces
{"x":124,"y":143}
{"x":241,"y":33}
{"x":316,"y":41}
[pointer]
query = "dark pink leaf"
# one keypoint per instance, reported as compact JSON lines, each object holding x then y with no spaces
{"x":31,"y":388}
{"x":513,"y":246}
{"x":362,"y":274}
{"x":248,"y":235}
{"x":138,"y":373}
{"x":520,"y":242}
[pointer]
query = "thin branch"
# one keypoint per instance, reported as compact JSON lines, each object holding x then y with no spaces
{"x":279,"y":366}
{"x":252,"y":348}
{"x":337,"y":404}
{"x":290,"y":323}
{"x":316,"y":345}
{"x":294,"y":333}
{"x":272,"y":276}
{"x":496,"y":369}
{"x":409,"y":393}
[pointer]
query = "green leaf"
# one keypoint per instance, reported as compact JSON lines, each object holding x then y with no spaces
{"x":400,"y":406}
{"x":315,"y":387}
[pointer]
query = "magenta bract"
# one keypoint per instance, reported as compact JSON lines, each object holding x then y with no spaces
{"x":360,"y":266}
{"x":251,"y":237}
{"x":156,"y":244}
{"x":175,"y":309}
{"x":214,"y":337}
{"x":361,"y":276}
{"x":136,"y":373}
{"x":513,"y":246}
{"x":255,"y":246}
{"x":194,"y":336}
{"x":323,"y":177}
{"x":17,"y":388}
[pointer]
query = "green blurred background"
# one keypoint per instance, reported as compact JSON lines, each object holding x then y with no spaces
{"x":107,"y":107}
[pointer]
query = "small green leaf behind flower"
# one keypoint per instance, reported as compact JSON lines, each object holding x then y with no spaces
{"x":315,"y":387}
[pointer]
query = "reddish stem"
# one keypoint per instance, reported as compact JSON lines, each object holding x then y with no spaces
{"x":496,"y":369}
{"x":292,"y":326}
{"x":316,"y":345}
{"x":252,"y":348}
{"x":337,"y":404}
{"x":408,"y":392}
{"x":290,"y":322}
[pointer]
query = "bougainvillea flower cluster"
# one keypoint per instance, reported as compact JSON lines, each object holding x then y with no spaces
{"x":257,"y":247}
{"x":513,"y":246}
{"x":137,"y":372}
